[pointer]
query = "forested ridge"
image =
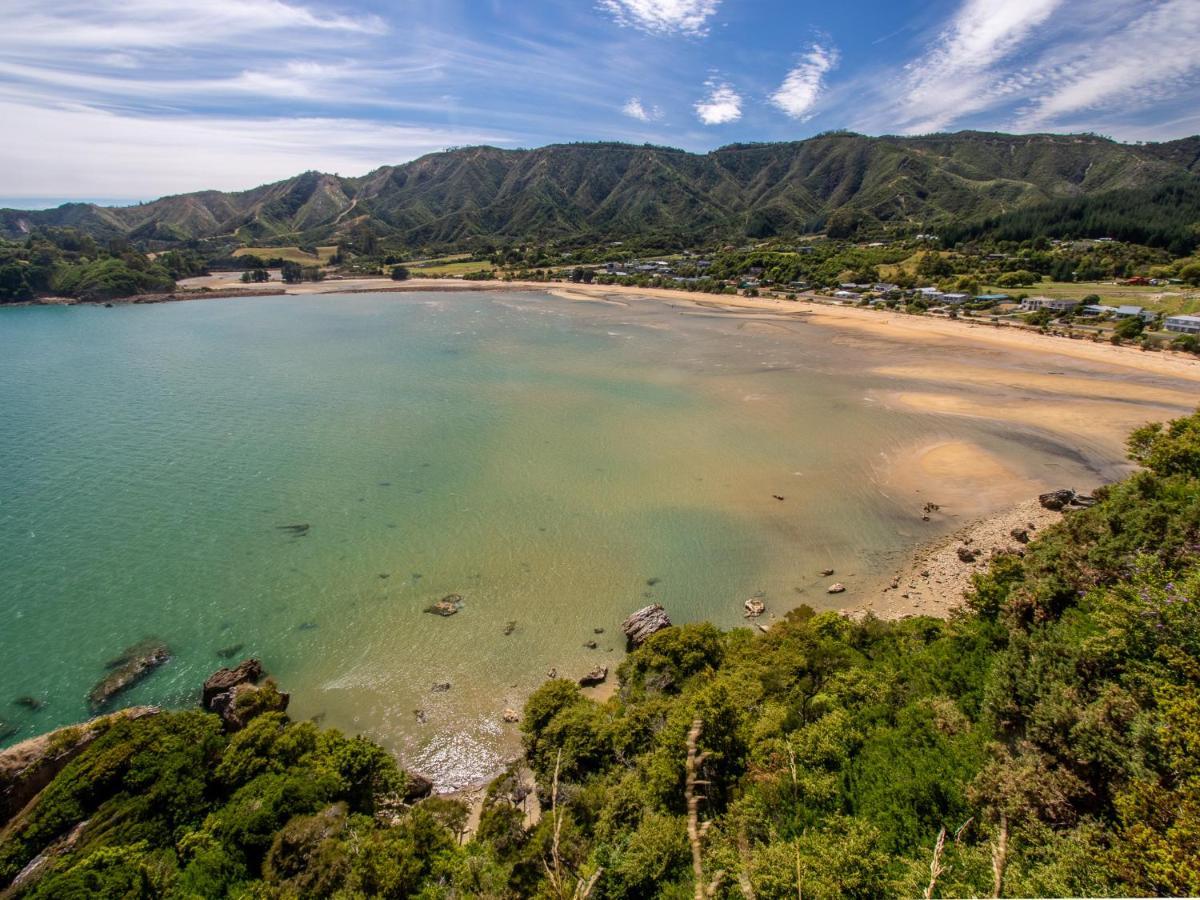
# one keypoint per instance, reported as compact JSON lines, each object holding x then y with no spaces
{"x":1043,"y":742}
{"x":839,"y":183}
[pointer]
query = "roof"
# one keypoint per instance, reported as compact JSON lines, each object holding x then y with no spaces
{"x":1184,"y":318}
{"x":1129,"y":310}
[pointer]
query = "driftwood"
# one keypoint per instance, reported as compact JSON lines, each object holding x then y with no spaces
{"x":645,"y":622}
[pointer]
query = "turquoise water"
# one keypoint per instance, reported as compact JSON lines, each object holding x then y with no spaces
{"x":558,"y":464}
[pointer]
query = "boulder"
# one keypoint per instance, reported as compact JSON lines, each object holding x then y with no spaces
{"x":511,"y":715}
{"x":838,"y":588}
{"x":966,"y":554}
{"x":1056,"y":500}
{"x":754,"y":608}
{"x":646,"y":621}
{"x":134,"y":664}
{"x":597,"y":676}
{"x":1020,"y":535}
{"x":447,"y":606}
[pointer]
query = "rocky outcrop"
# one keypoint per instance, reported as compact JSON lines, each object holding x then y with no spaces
{"x":223,"y":680}
{"x":29,"y":766}
{"x":598,"y":675}
{"x":235,"y":695}
{"x":416,"y":787}
{"x":646,"y":621}
{"x":754,"y":607}
{"x":134,"y":664}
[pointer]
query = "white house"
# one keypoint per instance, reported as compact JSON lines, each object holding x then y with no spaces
{"x":1183,"y":324}
{"x":1054,"y":304}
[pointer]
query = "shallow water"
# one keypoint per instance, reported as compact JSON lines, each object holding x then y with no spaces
{"x":556,"y":463}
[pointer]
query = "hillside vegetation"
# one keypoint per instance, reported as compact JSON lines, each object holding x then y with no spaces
{"x":840,"y":183}
{"x":1045,"y":742}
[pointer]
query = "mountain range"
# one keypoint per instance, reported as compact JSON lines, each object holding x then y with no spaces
{"x":835,"y":181}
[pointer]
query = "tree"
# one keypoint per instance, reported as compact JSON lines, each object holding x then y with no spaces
{"x":400,"y":273}
{"x":292,"y":272}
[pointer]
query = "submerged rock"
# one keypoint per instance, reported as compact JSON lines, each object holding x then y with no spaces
{"x":447,"y":606}
{"x":597,"y":676}
{"x":298,"y":530}
{"x":135,"y":663}
{"x":509,"y":628}
{"x":590,"y":645}
{"x":29,"y":702}
{"x":231,"y":651}
{"x":646,"y":621}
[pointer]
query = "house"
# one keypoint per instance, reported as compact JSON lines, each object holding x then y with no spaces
{"x":954,"y":299}
{"x":884,"y":287}
{"x":1120,"y":312}
{"x":845,"y":295}
{"x":1183,"y":324}
{"x":1054,"y":304}
{"x":991,"y":298}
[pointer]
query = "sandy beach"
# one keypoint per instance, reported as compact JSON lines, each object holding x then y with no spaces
{"x":1082,"y":395}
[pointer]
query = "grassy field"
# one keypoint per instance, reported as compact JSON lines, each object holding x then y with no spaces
{"x":294,"y":254}
{"x":448,"y":265}
{"x":1176,"y":298}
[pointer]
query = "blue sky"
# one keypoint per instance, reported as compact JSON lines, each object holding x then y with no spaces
{"x":133,"y":99}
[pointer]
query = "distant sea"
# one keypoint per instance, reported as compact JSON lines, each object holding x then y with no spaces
{"x":556,"y":464}
{"x":51,"y":202}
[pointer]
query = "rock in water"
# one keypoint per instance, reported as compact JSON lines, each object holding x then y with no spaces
{"x":1056,"y":500}
{"x":645,"y":622}
{"x":836,"y":588}
{"x":447,"y":606}
{"x":134,"y":664}
{"x":754,"y":608}
{"x":597,"y":676}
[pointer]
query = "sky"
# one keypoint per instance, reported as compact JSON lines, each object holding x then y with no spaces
{"x":126,"y":100}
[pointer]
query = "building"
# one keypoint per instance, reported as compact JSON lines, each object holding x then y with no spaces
{"x":1120,"y":312}
{"x":954,"y":299}
{"x":1183,"y":324}
{"x":992,"y":298}
{"x":1054,"y":304}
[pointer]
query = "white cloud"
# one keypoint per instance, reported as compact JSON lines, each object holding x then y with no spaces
{"x":955,"y":77}
{"x":803,"y":85}
{"x":663,"y":16}
{"x":1149,"y":57}
{"x":722,"y":105}
{"x":153,"y":25}
{"x":149,"y":156}
{"x":635,"y":109}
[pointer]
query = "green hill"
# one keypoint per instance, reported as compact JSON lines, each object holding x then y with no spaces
{"x":612,"y":191}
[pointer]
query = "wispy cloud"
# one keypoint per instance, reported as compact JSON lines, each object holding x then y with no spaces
{"x":134,"y":25}
{"x":635,"y":109}
{"x":721,"y":105}
{"x":663,"y":16}
{"x":954,"y":78}
{"x":803,"y":85}
{"x":173,"y":154}
{"x":1149,"y":57}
